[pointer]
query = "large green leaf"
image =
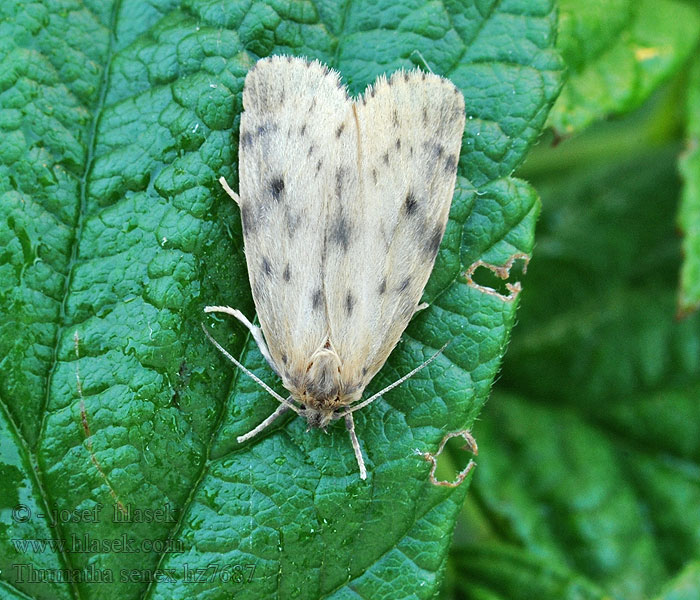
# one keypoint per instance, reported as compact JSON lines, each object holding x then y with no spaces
{"x":589,"y":473}
{"x":617,"y":53}
{"x":117,"y":119}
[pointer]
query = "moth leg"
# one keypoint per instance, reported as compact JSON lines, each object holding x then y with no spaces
{"x":350,"y":425}
{"x":255,"y":331}
{"x":229,"y":191}
{"x":421,"y":306}
{"x":281,"y":409}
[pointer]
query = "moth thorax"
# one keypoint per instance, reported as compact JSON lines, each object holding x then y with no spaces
{"x":322,"y":385}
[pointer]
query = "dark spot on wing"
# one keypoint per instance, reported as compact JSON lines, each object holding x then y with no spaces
{"x":266,"y":266}
{"x":433,"y":242}
{"x":340,"y":232}
{"x":385,"y":158}
{"x":439,"y":149}
{"x":311,"y":150}
{"x":349,"y":303}
{"x":277,"y":187}
{"x":286,"y":274}
{"x":382,"y":286}
{"x":302,"y":131}
{"x":373,"y":92}
{"x":425,"y":116}
{"x":316,"y":299}
{"x":246,"y":139}
{"x":451,"y":164}
{"x":410,"y":204}
{"x":339,"y":131}
{"x":364,"y":371}
{"x":284,"y":358}
{"x":398,"y":144}
{"x":395,"y":118}
{"x":312,"y":105}
{"x":318,"y":165}
{"x":404,"y":284}
{"x":338,"y":183}
{"x":405,"y":75}
{"x":249,"y":222}
{"x":374,"y":176}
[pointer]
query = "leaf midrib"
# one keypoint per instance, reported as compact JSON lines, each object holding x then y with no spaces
{"x":62,"y":324}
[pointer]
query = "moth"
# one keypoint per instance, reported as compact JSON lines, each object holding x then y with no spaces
{"x":344,"y":203}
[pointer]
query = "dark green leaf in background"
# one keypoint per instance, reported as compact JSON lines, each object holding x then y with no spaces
{"x":589,"y":472}
{"x":683,"y":587}
{"x":117,"y":119}
{"x":589,"y":468}
{"x":617,"y":53}
{"x":689,"y":214}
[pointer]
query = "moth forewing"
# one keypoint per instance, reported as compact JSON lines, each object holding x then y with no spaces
{"x":343,"y":206}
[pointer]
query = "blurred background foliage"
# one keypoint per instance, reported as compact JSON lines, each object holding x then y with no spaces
{"x":588,"y":476}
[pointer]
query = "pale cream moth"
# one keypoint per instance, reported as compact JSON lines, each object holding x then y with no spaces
{"x":343,"y":207}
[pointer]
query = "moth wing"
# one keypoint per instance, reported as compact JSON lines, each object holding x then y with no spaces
{"x":292,"y":111}
{"x":410,"y":130}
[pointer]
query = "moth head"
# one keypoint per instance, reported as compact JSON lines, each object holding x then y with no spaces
{"x":322,"y":390}
{"x":318,"y":418}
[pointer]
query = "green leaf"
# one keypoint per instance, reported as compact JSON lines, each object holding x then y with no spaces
{"x":685,"y":586}
{"x":498,"y":572}
{"x":589,"y":456}
{"x":117,"y":120}
{"x":689,"y":212}
{"x":618,"y":53}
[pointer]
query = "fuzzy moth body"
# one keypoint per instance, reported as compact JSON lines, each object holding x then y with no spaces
{"x":343,"y":206}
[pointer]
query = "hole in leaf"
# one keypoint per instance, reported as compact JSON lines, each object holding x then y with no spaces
{"x":487,"y":278}
{"x":499,"y":280}
{"x":453,"y":460}
{"x":454,"y":464}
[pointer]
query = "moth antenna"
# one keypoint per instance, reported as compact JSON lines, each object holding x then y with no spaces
{"x":281,"y":409}
{"x":425,"y":62}
{"x":227,"y":188}
{"x":350,"y":425}
{"x":256,"y":332}
{"x":393,"y":385}
{"x":250,"y":374}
